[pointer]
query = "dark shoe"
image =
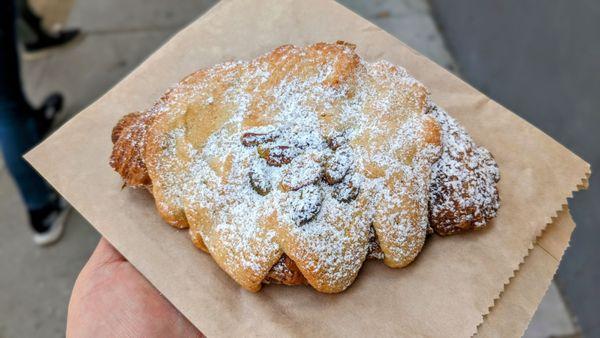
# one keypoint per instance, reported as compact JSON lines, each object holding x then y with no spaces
{"x":45,"y":42}
{"x":48,"y":223}
{"x":47,"y":112}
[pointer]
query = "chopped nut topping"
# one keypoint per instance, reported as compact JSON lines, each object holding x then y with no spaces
{"x":338,"y":165}
{"x":303,"y":170}
{"x":276,"y":156}
{"x":254,"y":139}
{"x":259,"y":177}
{"x":347,"y":190}
{"x":337,"y":140}
{"x":304,"y":204}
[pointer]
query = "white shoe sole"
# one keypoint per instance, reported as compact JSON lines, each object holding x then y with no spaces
{"x":56,"y":230}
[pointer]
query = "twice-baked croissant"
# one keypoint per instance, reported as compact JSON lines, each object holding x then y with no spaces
{"x":293,"y":167}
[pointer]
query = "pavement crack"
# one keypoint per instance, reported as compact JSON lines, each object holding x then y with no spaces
{"x":142,"y":29}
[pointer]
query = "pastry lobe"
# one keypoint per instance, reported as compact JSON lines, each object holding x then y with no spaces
{"x":398,"y":153}
{"x":285,"y":272}
{"x":128,"y":143}
{"x":463,"y":192}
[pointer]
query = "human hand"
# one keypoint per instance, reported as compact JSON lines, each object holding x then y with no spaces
{"x":112,"y":299}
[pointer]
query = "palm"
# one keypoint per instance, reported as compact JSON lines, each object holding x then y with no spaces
{"x":111,"y":298}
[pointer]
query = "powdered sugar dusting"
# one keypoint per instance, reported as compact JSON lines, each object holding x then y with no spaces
{"x":463,"y":189}
{"x":305,"y":97}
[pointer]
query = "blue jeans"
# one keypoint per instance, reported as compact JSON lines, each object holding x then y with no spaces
{"x":18,"y":134}
{"x":18,"y":129}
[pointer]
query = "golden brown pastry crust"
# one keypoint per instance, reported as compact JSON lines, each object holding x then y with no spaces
{"x":182,"y":150}
{"x":126,"y":158}
{"x":285,"y":272}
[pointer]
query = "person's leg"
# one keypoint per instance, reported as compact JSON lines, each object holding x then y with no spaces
{"x":10,"y":77}
{"x":20,"y":131}
{"x":31,"y":19}
{"x":11,"y":86}
{"x":18,"y":134}
{"x":43,"y":38}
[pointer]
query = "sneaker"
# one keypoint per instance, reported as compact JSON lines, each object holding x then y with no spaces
{"x":48,"y":223}
{"x":45,"y":43}
{"x":47,"y":112}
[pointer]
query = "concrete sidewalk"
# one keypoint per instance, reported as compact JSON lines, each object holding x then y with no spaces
{"x":36,"y":283}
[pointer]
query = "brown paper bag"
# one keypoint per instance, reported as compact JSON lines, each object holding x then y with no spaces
{"x":445,"y":292}
{"x":517,"y":304}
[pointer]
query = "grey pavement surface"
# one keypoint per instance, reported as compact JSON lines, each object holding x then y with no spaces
{"x":541,"y":59}
{"x":36,"y":282}
{"x":552,"y":318}
{"x":35,"y":291}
